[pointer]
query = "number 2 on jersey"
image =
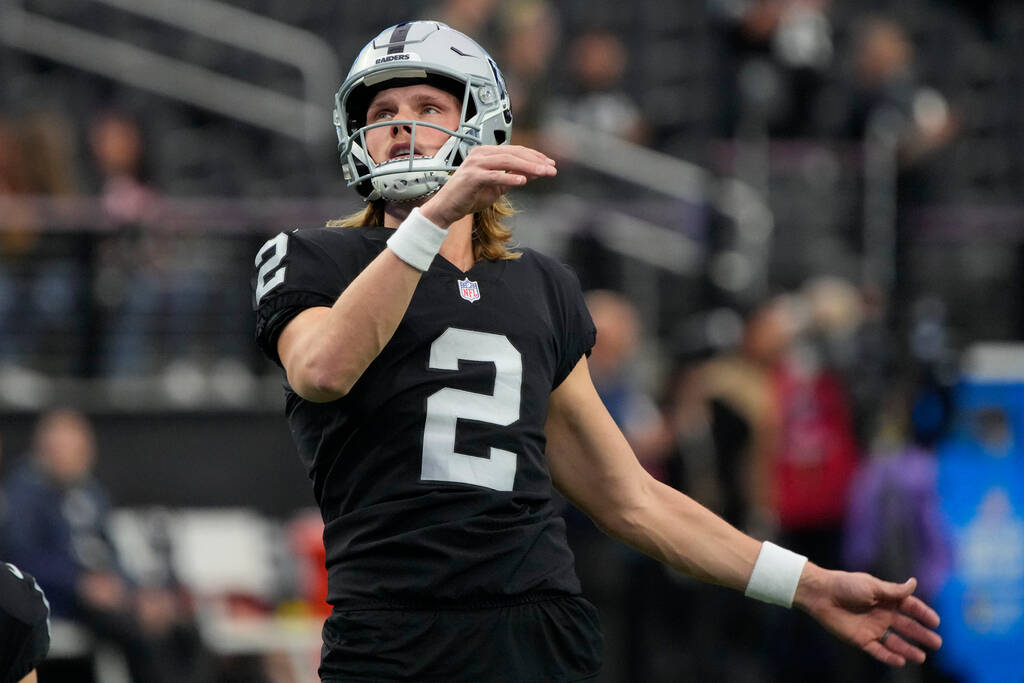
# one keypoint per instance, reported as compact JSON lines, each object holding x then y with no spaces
{"x":444,"y":408}
{"x":269,"y":274}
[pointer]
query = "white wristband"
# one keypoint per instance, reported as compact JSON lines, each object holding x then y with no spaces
{"x":776,"y":575}
{"x":417,"y":240}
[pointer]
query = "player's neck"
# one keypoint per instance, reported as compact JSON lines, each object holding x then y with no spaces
{"x":457,"y":247}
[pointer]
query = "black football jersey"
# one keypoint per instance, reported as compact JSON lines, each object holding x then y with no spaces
{"x":24,"y":623}
{"x":430,"y":473}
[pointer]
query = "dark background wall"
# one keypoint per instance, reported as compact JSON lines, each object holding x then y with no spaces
{"x":199,"y":459}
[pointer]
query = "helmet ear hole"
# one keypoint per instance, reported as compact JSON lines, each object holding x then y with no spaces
{"x":500,"y":137}
{"x":366,"y":187}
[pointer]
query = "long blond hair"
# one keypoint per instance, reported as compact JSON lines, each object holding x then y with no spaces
{"x":490,"y":235}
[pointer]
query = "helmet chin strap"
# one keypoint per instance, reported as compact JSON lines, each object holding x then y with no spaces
{"x":407,"y":186}
{"x":421,"y":179}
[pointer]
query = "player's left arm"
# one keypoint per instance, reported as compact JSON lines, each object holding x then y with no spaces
{"x":593,"y":466}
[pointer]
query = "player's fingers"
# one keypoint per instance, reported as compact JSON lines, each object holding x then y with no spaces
{"x":496,"y":157}
{"x":501,"y":178}
{"x":520,"y":150}
{"x":884,"y":654}
{"x":916,"y":608}
{"x":912,"y":630}
{"x":517,"y":164}
{"x":887,"y":590}
{"x":896,"y":644}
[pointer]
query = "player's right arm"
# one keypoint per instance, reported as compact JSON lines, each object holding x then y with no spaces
{"x":325,"y":350}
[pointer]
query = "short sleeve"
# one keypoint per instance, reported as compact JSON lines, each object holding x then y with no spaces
{"x":578,"y":333}
{"x":301,"y":269}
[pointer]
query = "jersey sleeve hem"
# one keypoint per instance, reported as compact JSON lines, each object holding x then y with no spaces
{"x":275,"y":315}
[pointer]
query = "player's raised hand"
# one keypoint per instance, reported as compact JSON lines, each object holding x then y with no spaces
{"x":483,"y":177}
{"x":884,"y":619}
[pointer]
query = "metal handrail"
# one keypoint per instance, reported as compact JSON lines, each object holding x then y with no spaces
{"x":205,"y":215}
{"x":663,"y":173}
{"x":677,"y":179}
{"x":303,"y":119}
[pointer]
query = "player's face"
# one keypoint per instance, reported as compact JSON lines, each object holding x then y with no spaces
{"x":410,"y":103}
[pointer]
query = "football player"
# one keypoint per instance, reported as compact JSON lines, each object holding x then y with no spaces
{"x":437,"y":390}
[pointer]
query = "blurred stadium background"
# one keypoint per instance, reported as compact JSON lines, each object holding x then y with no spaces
{"x":810,"y":210}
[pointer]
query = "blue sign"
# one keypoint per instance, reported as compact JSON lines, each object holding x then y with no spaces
{"x":981,"y":492}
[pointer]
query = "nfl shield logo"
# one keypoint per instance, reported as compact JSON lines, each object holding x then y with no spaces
{"x":469,"y":290}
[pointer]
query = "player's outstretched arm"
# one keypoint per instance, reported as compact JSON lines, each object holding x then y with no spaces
{"x":326,"y":350}
{"x":593,"y":466}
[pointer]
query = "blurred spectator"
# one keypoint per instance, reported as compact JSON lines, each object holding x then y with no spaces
{"x":42,"y":283}
{"x":835,"y":311}
{"x":154,"y":285}
{"x":473,"y":17}
{"x":614,"y":376}
{"x":888,"y":99}
{"x":117,"y":148}
{"x":816,"y":452}
{"x":61,"y":535}
{"x":777,"y":54}
{"x":725,"y":418}
{"x":597,"y":99}
{"x":530,"y":34}
{"x":60,"y":532}
{"x":887,"y":92}
{"x":903,"y":124}
{"x":848,"y":328}
{"x":894,"y":527}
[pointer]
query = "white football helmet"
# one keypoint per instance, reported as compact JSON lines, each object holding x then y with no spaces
{"x":414,"y":52}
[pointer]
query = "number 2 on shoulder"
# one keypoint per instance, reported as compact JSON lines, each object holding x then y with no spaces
{"x":268,"y":260}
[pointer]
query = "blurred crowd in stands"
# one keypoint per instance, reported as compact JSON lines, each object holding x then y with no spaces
{"x":788,"y":96}
{"x":805,"y":406}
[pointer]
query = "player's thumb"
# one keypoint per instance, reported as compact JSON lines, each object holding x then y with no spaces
{"x":897,"y":591}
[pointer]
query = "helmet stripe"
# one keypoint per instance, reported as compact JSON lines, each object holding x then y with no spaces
{"x":396,"y":43}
